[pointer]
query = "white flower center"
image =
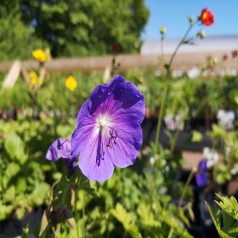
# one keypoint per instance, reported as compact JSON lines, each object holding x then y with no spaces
{"x":103,"y":124}
{"x":103,"y":121}
{"x":103,"y":128}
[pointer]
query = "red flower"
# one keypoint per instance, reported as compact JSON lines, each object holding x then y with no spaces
{"x":116,"y":48}
{"x":234,"y":53}
{"x":206,"y":17}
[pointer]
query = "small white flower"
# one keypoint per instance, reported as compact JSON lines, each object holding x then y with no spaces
{"x":163,"y":190}
{"x":226,"y":119}
{"x":173,"y":122}
{"x":206,"y":152}
{"x":228,"y":151}
{"x":152,"y":160}
{"x":234,"y":171}
{"x":211,"y":157}
{"x":169,"y":122}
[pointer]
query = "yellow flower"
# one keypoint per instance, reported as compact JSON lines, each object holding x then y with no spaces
{"x":41,"y":55}
{"x":71,"y":83}
{"x":48,"y":54}
{"x":34,"y":79}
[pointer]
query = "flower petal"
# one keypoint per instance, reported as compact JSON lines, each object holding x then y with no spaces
{"x":201,"y":176}
{"x":126,"y":146}
{"x":60,"y":148}
{"x":93,"y":162}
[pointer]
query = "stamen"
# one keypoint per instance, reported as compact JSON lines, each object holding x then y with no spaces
{"x":104,"y":129}
{"x":113,"y":136}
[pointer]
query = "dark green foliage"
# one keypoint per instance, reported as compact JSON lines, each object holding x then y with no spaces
{"x":70,"y":28}
{"x":16,"y":38}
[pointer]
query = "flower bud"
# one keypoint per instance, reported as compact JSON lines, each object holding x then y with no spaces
{"x":191,"y":20}
{"x":201,"y":34}
{"x":162,"y":30}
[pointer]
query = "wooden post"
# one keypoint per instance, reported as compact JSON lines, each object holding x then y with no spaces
{"x":12,"y":75}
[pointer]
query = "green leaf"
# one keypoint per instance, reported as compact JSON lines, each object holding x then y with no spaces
{"x":126,"y":219}
{"x":197,"y":136}
{"x":215,"y":215}
{"x":146,"y":216}
{"x":175,"y":224}
{"x":39,"y":194}
{"x":9,"y":195}
{"x":21,"y":185}
{"x":233,"y":231}
{"x":5,"y":210}
{"x":15,"y":147}
{"x":12,"y":170}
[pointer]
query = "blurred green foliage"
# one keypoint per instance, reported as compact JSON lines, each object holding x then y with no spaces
{"x":134,"y":202}
{"x":227,"y":142}
{"x":140,"y":201}
{"x":70,"y":28}
{"x":224,"y":216}
{"x":23,"y":184}
{"x":16,"y":38}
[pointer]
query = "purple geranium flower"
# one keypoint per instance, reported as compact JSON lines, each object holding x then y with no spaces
{"x":61,"y":148}
{"x":108,"y":131}
{"x":201,"y":176}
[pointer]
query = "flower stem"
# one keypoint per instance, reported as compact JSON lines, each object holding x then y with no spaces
{"x":186,"y":186}
{"x":160,"y":116}
{"x":168,"y":74}
{"x":168,"y":68}
{"x":83,"y":231}
{"x":182,"y":196}
{"x":75,"y":208}
{"x":173,"y":143}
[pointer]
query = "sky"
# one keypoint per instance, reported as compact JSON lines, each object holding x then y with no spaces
{"x":173,"y":15}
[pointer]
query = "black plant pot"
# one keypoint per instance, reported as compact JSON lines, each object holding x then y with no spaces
{"x":13,"y":227}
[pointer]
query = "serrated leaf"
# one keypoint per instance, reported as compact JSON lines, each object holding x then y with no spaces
{"x":227,"y":222}
{"x":216,"y":221}
{"x":126,"y":219}
{"x":147,"y":217}
{"x":121,"y":215}
{"x":182,"y":216}
{"x":233,"y":231}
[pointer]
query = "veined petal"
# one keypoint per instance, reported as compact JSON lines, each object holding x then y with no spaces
{"x":125,"y":147}
{"x":93,"y":161}
{"x":60,"y":148}
{"x":132,"y":103}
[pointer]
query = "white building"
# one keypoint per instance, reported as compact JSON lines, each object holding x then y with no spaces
{"x":208,"y":44}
